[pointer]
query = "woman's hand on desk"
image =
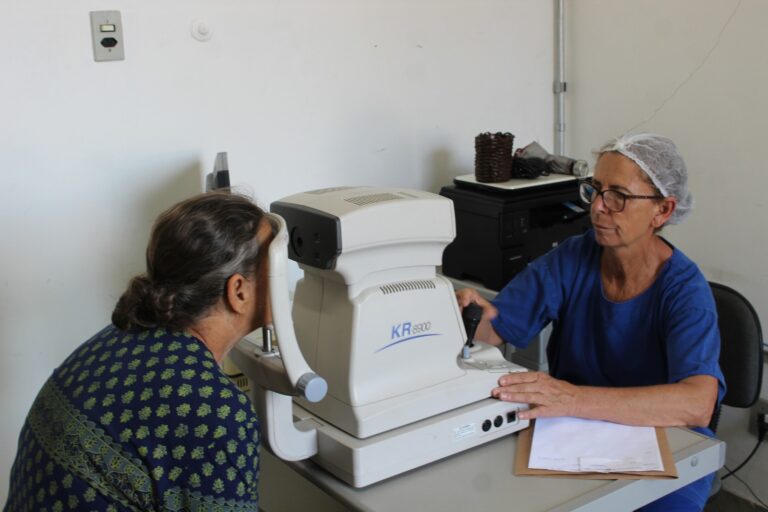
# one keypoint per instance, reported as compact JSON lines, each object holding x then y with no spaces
{"x":689,"y":402}
{"x":550,"y":396}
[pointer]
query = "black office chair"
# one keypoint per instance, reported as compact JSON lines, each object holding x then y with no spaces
{"x":741,"y":353}
{"x":741,"y":349}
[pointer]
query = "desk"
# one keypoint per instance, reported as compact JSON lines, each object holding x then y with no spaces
{"x":481,"y":479}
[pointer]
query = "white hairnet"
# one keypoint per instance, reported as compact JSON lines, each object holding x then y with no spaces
{"x":659,"y":158}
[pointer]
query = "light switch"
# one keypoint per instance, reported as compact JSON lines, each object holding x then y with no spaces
{"x":107,"y":36}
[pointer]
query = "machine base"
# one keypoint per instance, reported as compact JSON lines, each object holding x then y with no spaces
{"x":361,"y":462}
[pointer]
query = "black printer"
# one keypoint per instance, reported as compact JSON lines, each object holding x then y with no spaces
{"x":499,"y":230}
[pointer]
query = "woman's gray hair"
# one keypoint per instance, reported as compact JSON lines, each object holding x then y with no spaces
{"x":194,"y":248}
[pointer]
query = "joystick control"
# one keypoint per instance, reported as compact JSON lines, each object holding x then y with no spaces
{"x":471,"y":315}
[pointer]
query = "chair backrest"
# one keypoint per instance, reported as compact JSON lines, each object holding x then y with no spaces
{"x":741,"y":346}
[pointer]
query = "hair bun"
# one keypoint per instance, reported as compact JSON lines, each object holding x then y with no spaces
{"x":136,"y":307}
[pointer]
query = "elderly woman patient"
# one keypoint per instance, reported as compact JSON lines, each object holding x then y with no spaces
{"x":140,"y":417}
{"x":635,"y":337}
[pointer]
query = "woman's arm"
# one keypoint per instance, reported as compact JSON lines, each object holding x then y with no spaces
{"x":689,"y":402}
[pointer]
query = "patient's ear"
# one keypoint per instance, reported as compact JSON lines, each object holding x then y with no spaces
{"x":239,"y":293}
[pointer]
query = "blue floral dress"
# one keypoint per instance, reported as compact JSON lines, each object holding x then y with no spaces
{"x":138,"y":421}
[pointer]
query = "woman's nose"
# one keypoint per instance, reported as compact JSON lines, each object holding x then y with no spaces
{"x":598,"y":205}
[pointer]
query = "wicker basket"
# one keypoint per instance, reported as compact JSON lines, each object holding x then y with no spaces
{"x":493,"y":157}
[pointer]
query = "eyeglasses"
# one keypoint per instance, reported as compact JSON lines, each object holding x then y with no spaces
{"x":613,"y":200}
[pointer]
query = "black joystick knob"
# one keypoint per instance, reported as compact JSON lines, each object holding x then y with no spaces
{"x":471,"y":314}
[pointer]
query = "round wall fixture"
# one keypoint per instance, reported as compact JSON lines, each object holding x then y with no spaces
{"x":201,"y":30}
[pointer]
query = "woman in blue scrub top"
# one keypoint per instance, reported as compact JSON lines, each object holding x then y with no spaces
{"x":635,"y":338}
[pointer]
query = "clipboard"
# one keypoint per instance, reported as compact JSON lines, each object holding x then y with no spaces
{"x":523,"y":453}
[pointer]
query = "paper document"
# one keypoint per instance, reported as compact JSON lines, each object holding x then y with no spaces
{"x":578,"y":445}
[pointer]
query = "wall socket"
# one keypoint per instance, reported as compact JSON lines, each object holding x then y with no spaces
{"x":107,"y":36}
{"x":761,"y":407}
{"x":762,"y":410}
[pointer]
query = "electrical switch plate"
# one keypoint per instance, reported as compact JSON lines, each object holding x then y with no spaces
{"x":107,"y":36}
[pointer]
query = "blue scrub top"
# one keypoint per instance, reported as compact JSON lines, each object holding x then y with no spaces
{"x":665,"y":334}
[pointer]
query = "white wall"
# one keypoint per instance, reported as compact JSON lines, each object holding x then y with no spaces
{"x":302,"y":94}
{"x":696,"y":71}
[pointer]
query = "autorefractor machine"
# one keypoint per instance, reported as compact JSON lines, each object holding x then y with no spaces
{"x":374,"y":374}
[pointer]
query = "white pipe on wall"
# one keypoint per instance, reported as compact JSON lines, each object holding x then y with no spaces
{"x":559,"y":83}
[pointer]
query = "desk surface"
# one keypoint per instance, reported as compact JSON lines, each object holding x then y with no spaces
{"x":482,"y":479}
